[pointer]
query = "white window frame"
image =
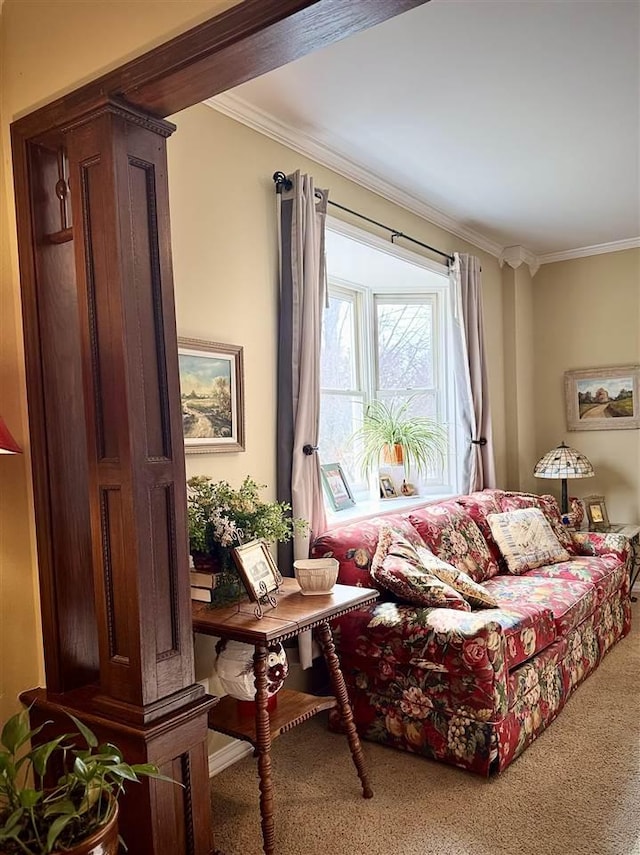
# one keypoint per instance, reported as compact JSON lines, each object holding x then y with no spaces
{"x":367,"y":372}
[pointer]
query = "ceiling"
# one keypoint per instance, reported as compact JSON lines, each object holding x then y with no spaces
{"x":509,"y":122}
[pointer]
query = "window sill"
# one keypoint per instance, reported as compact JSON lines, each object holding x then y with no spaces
{"x":379,"y":507}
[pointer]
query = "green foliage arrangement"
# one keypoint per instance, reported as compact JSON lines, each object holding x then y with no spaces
{"x":221,"y":516}
{"x":35,"y":820}
{"x":387,"y":424}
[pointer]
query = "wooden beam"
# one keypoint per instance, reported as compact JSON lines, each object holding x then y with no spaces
{"x":248,"y":40}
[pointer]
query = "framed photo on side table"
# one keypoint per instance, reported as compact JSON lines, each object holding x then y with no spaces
{"x":596,"y":513}
{"x":336,"y":487}
{"x":212,"y":395}
{"x":257,"y":569}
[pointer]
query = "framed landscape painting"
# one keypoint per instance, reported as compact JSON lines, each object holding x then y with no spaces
{"x":211,"y":394}
{"x":603,"y":398}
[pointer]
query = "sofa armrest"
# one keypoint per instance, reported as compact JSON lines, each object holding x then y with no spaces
{"x":603,"y":543}
{"x":458,"y":656}
{"x":446,"y":640}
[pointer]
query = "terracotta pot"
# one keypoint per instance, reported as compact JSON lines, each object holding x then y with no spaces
{"x":104,"y":841}
{"x":393,"y":454}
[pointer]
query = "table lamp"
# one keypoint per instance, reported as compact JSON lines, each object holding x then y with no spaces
{"x":8,"y":445}
{"x":563,"y":462}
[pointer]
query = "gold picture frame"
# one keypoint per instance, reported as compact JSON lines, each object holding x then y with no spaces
{"x":596,"y":513}
{"x":257,"y":569}
{"x":212,"y":396}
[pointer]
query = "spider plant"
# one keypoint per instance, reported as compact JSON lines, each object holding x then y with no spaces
{"x":389,"y":426}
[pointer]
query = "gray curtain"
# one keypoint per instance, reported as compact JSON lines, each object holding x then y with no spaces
{"x":474,"y":415}
{"x":301,"y":217}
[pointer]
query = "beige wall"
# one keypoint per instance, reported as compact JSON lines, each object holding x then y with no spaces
{"x":48,"y":47}
{"x":225,"y":265}
{"x":587,"y":314}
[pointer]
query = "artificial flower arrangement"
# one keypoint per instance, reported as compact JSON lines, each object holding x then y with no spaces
{"x":221,"y":518}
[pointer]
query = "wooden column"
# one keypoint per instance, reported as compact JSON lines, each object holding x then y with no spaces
{"x":109,"y":464}
{"x":137,"y":482}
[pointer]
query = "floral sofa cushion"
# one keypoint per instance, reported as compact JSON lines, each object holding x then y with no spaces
{"x":454,"y":537}
{"x":354,"y":546}
{"x":527,"y":627}
{"x":605,"y":572}
{"x":570,"y":601}
{"x":474,"y":593}
{"x":478,"y":505}
{"x":397,"y":568}
{"x":526,"y":539}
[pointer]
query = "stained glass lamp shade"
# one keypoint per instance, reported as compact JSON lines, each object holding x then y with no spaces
{"x":563,"y":462}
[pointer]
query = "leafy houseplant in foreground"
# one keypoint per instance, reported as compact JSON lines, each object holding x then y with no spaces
{"x":221,"y":517}
{"x":35,"y":819}
{"x":389,"y":431}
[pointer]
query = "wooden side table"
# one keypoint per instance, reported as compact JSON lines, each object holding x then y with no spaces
{"x":294,"y":614}
{"x":632,"y":533}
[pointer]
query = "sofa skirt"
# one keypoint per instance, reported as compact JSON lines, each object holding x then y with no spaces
{"x":537,"y":691}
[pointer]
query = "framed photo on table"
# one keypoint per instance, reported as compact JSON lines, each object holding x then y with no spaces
{"x":336,"y":486}
{"x":596,"y":513}
{"x":212,"y":395}
{"x":257,"y":569}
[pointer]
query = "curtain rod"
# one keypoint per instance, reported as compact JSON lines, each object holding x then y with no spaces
{"x":282,"y":182}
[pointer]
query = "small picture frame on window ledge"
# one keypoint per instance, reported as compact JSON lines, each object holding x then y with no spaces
{"x":596,"y":513}
{"x":387,"y":488}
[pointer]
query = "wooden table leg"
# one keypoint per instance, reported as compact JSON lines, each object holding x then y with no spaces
{"x":263,"y":748}
{"x":325,"y":639}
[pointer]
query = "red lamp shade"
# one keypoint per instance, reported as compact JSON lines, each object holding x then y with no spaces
{"x":8,"y":445}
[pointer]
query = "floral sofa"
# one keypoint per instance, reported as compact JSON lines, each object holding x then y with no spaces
{"x":475,"y":688}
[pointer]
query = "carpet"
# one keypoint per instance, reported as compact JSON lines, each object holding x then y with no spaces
{"x":575,"y":791}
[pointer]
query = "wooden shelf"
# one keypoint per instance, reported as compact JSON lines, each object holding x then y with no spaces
{"x":292,"y":709}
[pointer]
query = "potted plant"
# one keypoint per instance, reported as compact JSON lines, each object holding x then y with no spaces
{"x":390,"y":432}
{"x":221,"y":517}
{"x":78,"y":815}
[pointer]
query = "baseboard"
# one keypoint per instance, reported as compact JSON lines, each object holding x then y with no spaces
{"x":227,"y":756}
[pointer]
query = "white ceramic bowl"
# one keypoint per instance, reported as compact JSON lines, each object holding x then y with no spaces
{"x":316,"y":575}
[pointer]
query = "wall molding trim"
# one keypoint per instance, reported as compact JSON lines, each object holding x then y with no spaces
{"x":514,"y":256}
{"x":258,"y":120}
{"x":238,"y":109}
{"x":584,"y":251}
{"x":227,"y":756}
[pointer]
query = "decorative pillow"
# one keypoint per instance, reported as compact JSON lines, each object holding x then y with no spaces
{"x":478,"y":505}
{"x":397,"y":567}
{"x":510,"y":501}
{"x":526,"y":540}
{"x":477,"y":596}
{"x":354,"y":547}
{"x":454,"y":537}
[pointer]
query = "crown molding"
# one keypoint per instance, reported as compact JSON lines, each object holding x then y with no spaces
{"x":238,"y":109}
{"x":596,"y":249}
{"x":514,"y":256}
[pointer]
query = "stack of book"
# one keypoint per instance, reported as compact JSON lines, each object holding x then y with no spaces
{"x":202,"y":585}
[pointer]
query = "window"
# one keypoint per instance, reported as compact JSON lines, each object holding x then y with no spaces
{"x":385,"y":336}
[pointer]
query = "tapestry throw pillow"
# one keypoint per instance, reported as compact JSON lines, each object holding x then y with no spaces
{"x":397,"y":567}
{"x":477,"y":596}
{"x":526,"y":540}
{"x":511,"y":501}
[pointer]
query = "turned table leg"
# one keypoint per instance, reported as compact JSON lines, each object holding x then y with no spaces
{"x":263,"y":748}
{"x":325,"y":639}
